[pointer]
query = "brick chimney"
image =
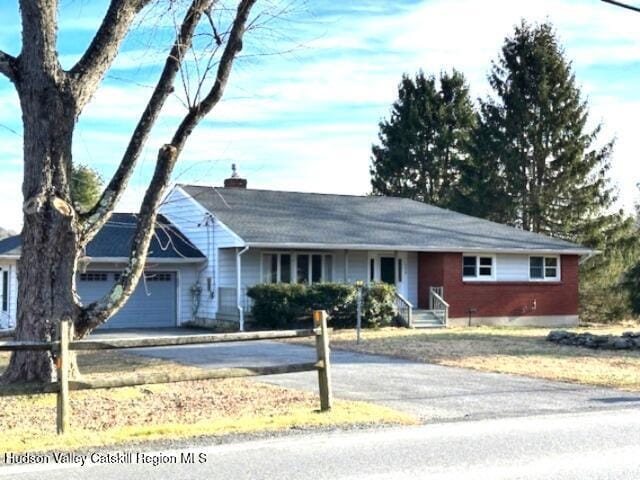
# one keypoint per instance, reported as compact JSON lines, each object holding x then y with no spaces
{"x":235,"y":181}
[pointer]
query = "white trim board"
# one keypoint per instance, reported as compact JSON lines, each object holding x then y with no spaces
{"x":205,"y":210}
{"x":417,"y":248}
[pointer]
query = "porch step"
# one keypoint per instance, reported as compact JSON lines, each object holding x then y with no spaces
{"x":428,"y":318}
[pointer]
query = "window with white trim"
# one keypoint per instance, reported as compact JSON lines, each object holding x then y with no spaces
{"x":276,"y":268}
{"x":297,"y":267}
{"x":477,"y":267}
{"x":544,"y":268}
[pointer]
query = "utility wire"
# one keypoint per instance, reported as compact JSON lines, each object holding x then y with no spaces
{"x":623,"y":5}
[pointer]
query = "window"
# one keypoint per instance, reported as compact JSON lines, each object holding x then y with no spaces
{"x":158,"y":277}
{"x":480,"y":267}
{"x":276,"y":267}
{"x":316,"y":268}
{"x":5,"y":291}
{"x":543,"y":268}
{"x":298,"y":268}
{"x":270,"y":268}
{"x":93,"y":277}
{"x":285,"y":268}
{"x":468,"y":266}
{"x":399,"y":270}
{"x":302,"y":270}
{"x":327,"y":276}
{"x":372,"y":270}
{"x":486,"y":264}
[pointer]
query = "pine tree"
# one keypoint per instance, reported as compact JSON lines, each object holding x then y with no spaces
{"x":535,"y":165}
{"x":606,"y":280}
{"x":86,"y":187}
{"x":542,"y":157}
{"x":482,"y":190}
{"x":424,"y":143}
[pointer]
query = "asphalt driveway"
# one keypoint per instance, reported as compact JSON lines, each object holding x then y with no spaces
{"x":429,"y":391}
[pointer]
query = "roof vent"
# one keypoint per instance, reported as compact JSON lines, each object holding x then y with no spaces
{"x":235,"y":181}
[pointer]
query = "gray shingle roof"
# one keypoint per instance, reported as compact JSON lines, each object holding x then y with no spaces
{"x":265,"y":217}
{"x":114,"y":240}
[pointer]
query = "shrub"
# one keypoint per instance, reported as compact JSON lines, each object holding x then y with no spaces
{"x":338,"y":299}
{"x":278,"y":305}
{"x":378,"y":309}
{"x":290,"y":305}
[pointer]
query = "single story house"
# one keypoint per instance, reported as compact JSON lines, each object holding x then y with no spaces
{"x":215,"y":242}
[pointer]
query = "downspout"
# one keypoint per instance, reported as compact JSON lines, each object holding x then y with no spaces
{"x":239,"y":286}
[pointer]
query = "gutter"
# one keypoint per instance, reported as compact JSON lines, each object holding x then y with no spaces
{"x":124,"y":260}
{"x":239,"y":286}
{"x":418,"y":248}
{"x":588,"y":256}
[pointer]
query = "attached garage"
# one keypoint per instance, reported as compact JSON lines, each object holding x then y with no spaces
{"x":152,"y":305}
{"x":163,"y":298}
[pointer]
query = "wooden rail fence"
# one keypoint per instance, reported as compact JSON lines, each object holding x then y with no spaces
{"x":65,"y":345}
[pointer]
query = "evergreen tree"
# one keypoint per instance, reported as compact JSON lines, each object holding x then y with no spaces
{"x":86,"y":187}
{"x":535,"y":166}
{"x":482,"y":189}
{"x":424,"y":143}
{"x":540,"y":157}
{"x":606,"y":279}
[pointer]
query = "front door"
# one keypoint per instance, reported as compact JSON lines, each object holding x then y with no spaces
{"x":388,"y":270}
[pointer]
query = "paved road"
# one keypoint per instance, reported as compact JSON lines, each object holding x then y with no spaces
{"x":586,"y":446}
{"x":432,"y":392}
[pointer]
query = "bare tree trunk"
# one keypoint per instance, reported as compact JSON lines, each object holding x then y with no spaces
{"x":54,"y":234}
{"x":49,"y":237}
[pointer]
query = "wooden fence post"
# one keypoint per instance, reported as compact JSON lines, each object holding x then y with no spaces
{"x":322,"y":350}
{"x":62,"y":362}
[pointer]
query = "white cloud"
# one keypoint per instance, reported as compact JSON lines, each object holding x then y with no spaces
{"x":306,"y":120}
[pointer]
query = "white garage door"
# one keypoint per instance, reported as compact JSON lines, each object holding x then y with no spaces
{"x":152,"y":305}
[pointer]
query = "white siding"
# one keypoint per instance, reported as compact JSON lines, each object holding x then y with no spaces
{"x":250,"y":268}
{"x":512,"y":268}
{"x":8,"y":318}
{"x":208,"y":236}
{"x":187,"y":277}
{"x":412,"y":278}
{"x":338,"y":266}
{"x":357,"y":266}
{"x":227,"y":267}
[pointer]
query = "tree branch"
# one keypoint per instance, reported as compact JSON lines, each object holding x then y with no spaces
{"x":90,"y":69}
{"x":94,"y":219}
{"x":8,"y":66}
{"x":234,"y":45}
{"x":98,"y":312}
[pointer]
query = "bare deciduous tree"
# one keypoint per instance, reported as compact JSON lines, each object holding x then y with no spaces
{"x":55,"y":234}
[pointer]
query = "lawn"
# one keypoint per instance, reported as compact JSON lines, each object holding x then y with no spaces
{"x":521,"y":351}
{"x":212,"y":407}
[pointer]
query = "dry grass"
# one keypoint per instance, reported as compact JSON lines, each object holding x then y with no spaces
{"x":521,"y":351}
{"x":212,"y":407}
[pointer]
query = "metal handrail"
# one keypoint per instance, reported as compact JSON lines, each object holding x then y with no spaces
{"x":436,"y":301}
{"x":403,"y":304}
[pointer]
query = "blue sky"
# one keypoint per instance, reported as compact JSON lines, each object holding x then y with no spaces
{"x":304,"y":101}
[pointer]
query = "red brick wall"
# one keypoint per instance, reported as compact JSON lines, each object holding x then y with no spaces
{"x":497,"y":299}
